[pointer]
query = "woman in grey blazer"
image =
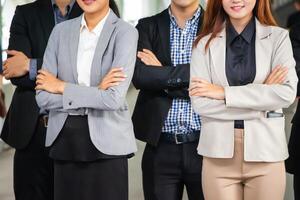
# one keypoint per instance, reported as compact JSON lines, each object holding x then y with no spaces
{"x":88,"y":66}
{"x":242,"y":75}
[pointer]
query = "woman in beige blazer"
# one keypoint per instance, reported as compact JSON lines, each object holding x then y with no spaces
{"x":242,"y":75}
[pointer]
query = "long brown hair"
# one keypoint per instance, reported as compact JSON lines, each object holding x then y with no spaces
{"x":215,"y":16}
{"x":114,"y":7}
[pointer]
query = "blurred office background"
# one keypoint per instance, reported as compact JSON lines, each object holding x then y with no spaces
{"x":131,"y":11}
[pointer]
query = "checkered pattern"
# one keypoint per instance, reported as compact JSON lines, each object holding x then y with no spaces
{"x":181,"y":118}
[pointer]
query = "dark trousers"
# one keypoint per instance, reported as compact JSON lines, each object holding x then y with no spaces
{"x":167,"y":168}
{"x":33,"y":169}
{"x":297,"y":187}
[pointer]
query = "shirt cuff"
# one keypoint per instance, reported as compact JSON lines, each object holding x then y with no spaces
{"x":32,"y":69}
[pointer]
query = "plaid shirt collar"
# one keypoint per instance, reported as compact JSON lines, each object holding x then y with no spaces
{"x":192,"y":21}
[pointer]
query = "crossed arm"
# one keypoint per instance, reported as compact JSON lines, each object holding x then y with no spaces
{"x":241,"y":102}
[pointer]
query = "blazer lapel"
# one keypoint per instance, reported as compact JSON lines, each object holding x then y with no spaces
{"x":103,"y":41}
{"x":218,"y":51}
{"x":263,"y":52}
{"x":46,"y":15}
{"x":163,"y":22}
{"x":73,"y":45}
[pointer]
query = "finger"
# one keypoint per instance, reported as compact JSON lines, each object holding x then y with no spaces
{"x":145,"y":61}
{"x":113,"y":84}
{"x":144,"y":55}
{"x":12,"y":52}
{"x":199,"y":90}
{"x":197,"y":93}
{"x":43,"y":72}
{"x":113,"y":80}
{"x":150,"y":53}
{"x":39,"y":82}
{"x":198,"y":85}
{"x":39,"y":87}
{"x":40,"y":76}
{"x":278,"y":74}
{"x":116,"y":69}
{"x":281,"y":78}
{"x":119,"y":75}
{"x":273,"y":75}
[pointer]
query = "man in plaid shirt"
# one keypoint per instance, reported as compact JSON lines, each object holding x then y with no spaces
{"x":163,"y":117}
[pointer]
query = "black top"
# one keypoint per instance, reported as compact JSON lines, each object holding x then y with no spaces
{"x":240,"y":57}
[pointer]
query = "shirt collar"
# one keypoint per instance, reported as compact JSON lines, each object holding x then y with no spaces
{"x":69,"y":7}
{"x":192,"y":20}
{"x":98,"y":29}
{"x":246,"y":34}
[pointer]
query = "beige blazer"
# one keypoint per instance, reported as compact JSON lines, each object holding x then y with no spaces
{"x":264,"y":137}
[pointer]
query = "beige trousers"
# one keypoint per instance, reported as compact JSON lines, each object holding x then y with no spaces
{"x":235,"y":179}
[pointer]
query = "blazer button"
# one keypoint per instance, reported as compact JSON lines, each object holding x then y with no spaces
{"x":178,"y":80}
{"x":70,"y":103}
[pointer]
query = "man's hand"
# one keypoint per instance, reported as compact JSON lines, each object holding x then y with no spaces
{"x":148,"y":58}
{"x":202,"y":88}
{"x":48,"y":82}
{"x":277,"y":76}
{"x":15,"y":66}
{"x":113,"y":78}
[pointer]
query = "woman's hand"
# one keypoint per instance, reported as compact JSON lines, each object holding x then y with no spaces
{"x":48,"y":82}
{"x":277,"y":76}
{"x":149,"y":58}
{"x":202,"y":88}
{"x":113,"y":78}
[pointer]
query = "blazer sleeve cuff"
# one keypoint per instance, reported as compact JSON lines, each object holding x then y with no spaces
{"x":230,"y":96}
{"x":69,"y":96}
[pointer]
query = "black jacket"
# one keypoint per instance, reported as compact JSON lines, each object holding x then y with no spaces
{"x":29,"y":32}
{"x":157,"y":85}
{"x":293,"y":162}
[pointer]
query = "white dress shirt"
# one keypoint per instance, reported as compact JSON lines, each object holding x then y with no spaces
{"x":86,"y":49}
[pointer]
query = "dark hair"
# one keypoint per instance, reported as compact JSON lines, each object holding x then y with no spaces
{"x":114,"y":7}
{"x":215,"y":16}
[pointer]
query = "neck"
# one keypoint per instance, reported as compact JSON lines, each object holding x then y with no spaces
{"x":92,"y":19}
{"x":182,"y":14}
{"x":62,"y":4}
{"x":240,"y":24}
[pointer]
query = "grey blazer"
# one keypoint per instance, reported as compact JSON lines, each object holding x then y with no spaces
{"x":264,"y":137}
{"x":109,"y":119}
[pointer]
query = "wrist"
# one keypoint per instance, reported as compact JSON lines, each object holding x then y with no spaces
{"x":62,"y":86}
{"x":27,"y":65}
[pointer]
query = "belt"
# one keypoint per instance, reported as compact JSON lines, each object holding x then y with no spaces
{"x":179,"y":138}
{"x":44,"y":120}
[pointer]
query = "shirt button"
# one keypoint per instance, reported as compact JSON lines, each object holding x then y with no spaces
{"x":70,"y":103}
{"x":182,"y":51}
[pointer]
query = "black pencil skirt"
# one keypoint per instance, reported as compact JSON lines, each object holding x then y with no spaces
{"x":105,"y":179}
{"x":82,"y":172}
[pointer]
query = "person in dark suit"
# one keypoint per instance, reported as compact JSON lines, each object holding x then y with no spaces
{"x":295,"y":17}
{"x":163,"y":117}
{"x":293,"y":162}
{"x":25,"y":124}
